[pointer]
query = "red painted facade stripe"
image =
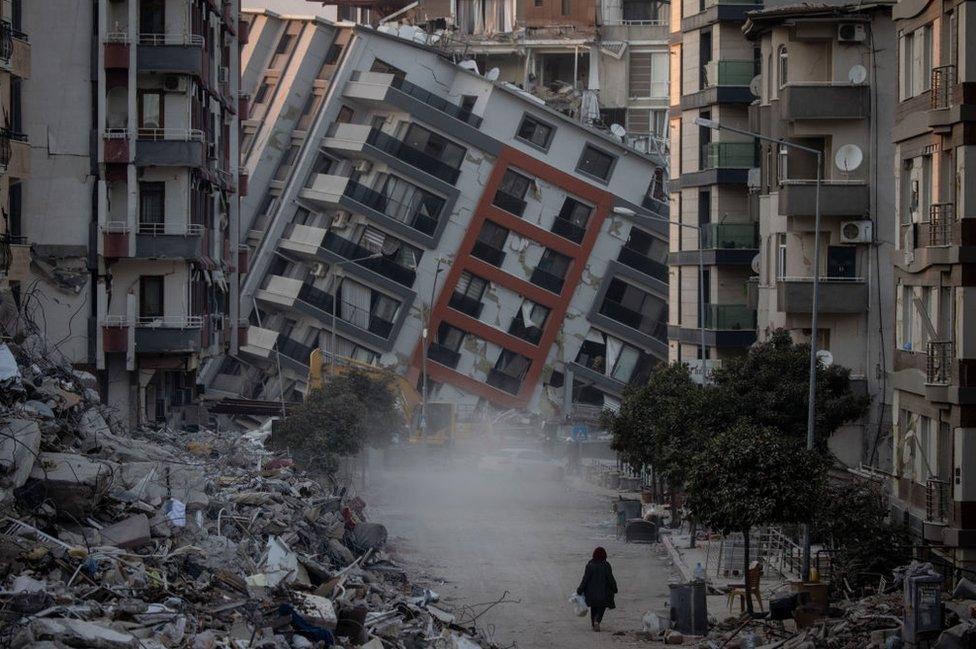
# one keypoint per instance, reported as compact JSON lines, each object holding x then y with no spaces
{"x":558,"y":304}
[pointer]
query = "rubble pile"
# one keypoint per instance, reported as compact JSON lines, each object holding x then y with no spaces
{"x":194,"y":538}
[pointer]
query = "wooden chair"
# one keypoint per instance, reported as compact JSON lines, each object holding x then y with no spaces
{"x":749,"y":589}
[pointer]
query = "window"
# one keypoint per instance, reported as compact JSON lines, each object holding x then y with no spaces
{"x":640,"y":11}
{"x":784,"y":66}
{"x":566,"y":5}
{"x":554,"y":263}
{"x":535,"y":132}
{"x":596,"y":163}
{"x":262,"y":94}
{"x":647,"y":121}
{"x":150,"y":109}
{"x":151,"y":296}
{"x":575,"y":212}
{"x":780,"y":255}
{"x":470,"y":286}
{"x":704,"y":207}
{"x":467,"y":104}
{"x":529,"y":321}
{"x":345,"y":115}
{"x":449,"y":337}
{"x":383,"y":308}
{"x":332,"y":56}
{"x":152,"y":205}
{"x":841,"y":262}
{"x":309,"y":110}
{"x":382,"y":66}
{"x":648,"y":75}
{"x":636,"y":308}
{"x":287,"y":160}
{"x":152,"y":17}
{"x":282,"y":51}
{"x":512,"y":364}
{"x":410,"y":204}
{"x":647,"y":245}
{"x":434,"y":145}
{"x":493,"y":234}
{"x":657,"y":191}
{"x":514,"y":184}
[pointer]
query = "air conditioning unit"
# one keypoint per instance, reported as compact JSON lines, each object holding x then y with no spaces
{"x":223,"y":74}
{"x":851,"y":33}
{"x":341,"y":219}
{"x":320,"y":269}
{"x":363,"y":166}
{"x":175,"y":83}
{"x":856,"y":232}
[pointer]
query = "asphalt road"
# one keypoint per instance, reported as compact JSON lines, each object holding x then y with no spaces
{"x":474,"y":536}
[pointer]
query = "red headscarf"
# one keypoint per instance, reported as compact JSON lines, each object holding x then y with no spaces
{"x":599,"y":554}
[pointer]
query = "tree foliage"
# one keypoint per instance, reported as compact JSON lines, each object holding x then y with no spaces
{"x":352,"y":411}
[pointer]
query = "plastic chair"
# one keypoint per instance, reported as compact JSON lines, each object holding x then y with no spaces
{"x":749,"y":589}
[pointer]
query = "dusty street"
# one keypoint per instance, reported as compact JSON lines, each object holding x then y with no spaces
{"x":475,"y":536}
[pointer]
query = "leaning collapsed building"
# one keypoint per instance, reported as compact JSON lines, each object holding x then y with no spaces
{"x":394,"y":192}
{"x":125,"y":227}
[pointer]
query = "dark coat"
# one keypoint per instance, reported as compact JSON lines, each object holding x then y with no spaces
{"x":598,"y":585}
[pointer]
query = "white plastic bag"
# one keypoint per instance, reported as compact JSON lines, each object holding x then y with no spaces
{"x":579,"y":603}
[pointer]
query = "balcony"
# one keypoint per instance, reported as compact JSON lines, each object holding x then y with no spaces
{"x":298,"y":353}
{"x":938,"y":362}
{"x":730,"y":317}
{"x":488,"y":253}
{"x":466,"y":304}
{"x":171,"y":147}
{"x":385,"y":205}
{"x":730,"y":236}
{"x":728,"y":72}
{"x":943,"y":79}
{"x":838,"y":295}
{"x":171,"y":53}
{"x":509,"y":203}
{"x":825,"y":101}
{"x":412,"y":156}
{"x":382,"y":265}
{"x":548,"y":281}
{"x":837,"y":198}
{"x":940,"y":225}
{"x":568,"y":230}
{"x":728,"y":155}
{"x":321,"y":301}
{"x":167,"y":241}
{"x":504,"y":382}
{"x":168,"y":334}
{"x":376,"y":86}
{"x":634,"y":320}
{"x":529,"y":333}
{"x":115,"y":146}
{"x":938,"y":502}
{"x":437,"y":102}
{"x":639,"y":261}
{"x":443,"y":355}
{"x":259,"y":343}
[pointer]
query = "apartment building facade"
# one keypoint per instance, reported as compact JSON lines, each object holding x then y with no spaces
{"x":825,"y":85}
{"x":422,"y":195}
{"x":934,"y":490}
{"x":712,"y":67}
{"x":130,"y":218}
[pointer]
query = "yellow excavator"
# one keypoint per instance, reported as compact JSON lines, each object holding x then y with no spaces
{"x":442,"y":417}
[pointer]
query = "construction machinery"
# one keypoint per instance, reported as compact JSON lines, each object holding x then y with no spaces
{"x":441,"y":417}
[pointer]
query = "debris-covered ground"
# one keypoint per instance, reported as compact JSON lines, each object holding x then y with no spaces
{"x":158,"y":538}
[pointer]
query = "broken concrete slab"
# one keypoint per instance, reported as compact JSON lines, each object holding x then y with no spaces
{"x":74,"y":484}
{"x":78,"y":633}
{"x":20,"y":442}
{"x":130,"y":533}
{"x":316,"y":610}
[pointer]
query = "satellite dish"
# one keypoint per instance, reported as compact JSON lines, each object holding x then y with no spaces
{"x":848,"y":157}
{"x":755,"y":86}
{"x":825,"y":357}
{"x":858,"y":74}
{"x":618,"y":130}
{"x":492,"y":75}
{"x":756,"y":264}
{"x":470,"y":65}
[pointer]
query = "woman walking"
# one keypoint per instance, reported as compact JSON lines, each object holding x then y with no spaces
{"x":598,"y":587}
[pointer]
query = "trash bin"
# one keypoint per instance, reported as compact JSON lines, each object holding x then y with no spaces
{"x":630,"y":508}
{"x":689,"y":611}
{"x":923,"y":606}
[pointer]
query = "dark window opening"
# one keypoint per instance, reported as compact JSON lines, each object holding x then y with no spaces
{"x":151,"y":296}
{"x":535,"y":132}
{"x":596,"y":163}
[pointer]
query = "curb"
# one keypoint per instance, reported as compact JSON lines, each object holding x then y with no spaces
{"x":679,"y":562}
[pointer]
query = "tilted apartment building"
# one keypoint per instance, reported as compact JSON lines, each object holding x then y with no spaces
{"x":824,"y":83}
{"x":934,"y":490}
{"x":416,"y":193}
{"x":15,"y":68}
{"x":130,"y":220}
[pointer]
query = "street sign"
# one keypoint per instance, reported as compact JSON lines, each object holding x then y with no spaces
{"x":580,"y":432}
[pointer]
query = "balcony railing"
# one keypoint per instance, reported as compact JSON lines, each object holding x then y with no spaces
{"x":5,"y":151}
{"x":466,"y":304}
{"x":295,"y":350}
{"x":938,"y":366}
{"x":728,"y":72}
{"x":439,"y":103}
{"x":730,"y":317}
{"x":6,"y":40}
{"x":391,"y":207}
{"x":728,"y":155}
{"x":568,"y":229}
{"x":504,"y":382}
{"x":316,"y":297}
{"x":509,"y":203}
{"x":941,"y":221}
{"x":530,"y":333}
{"x":547,"y":280}
{"x":489,"y":253}
{"x":936,"y":501}
{"x":186,"y":40}
{"x":413,"y":156}
{"x":382,"y":265}
{"x":943,"y":78}
{"x":638,"y":261}
{"x":634,"y":320}
{"x":730,"y":236}
{"x":158,"y":229}
{"x":170,"y":322}
{"x":443,"y":355}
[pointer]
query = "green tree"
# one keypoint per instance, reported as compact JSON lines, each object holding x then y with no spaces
{"x":352,"y":411}
{"x":749,"y":476}
{"x":769,"y":386}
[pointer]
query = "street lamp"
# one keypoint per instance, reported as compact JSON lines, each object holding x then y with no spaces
{"x":423,"y":356}
{"x":625,"y":211}
{"x":814,"y":308}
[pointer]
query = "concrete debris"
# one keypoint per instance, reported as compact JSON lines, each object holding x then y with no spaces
{"x":194,"y":538}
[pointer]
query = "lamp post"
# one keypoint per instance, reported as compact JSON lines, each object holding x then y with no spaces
{"x":423,"y":356}
{"x":815,"y":305}
{"x":625,"y":211}
{"x":335,"y":301}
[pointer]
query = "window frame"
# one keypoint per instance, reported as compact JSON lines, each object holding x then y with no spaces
{"x":538,"y":122}
{"x":610,"y":169}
